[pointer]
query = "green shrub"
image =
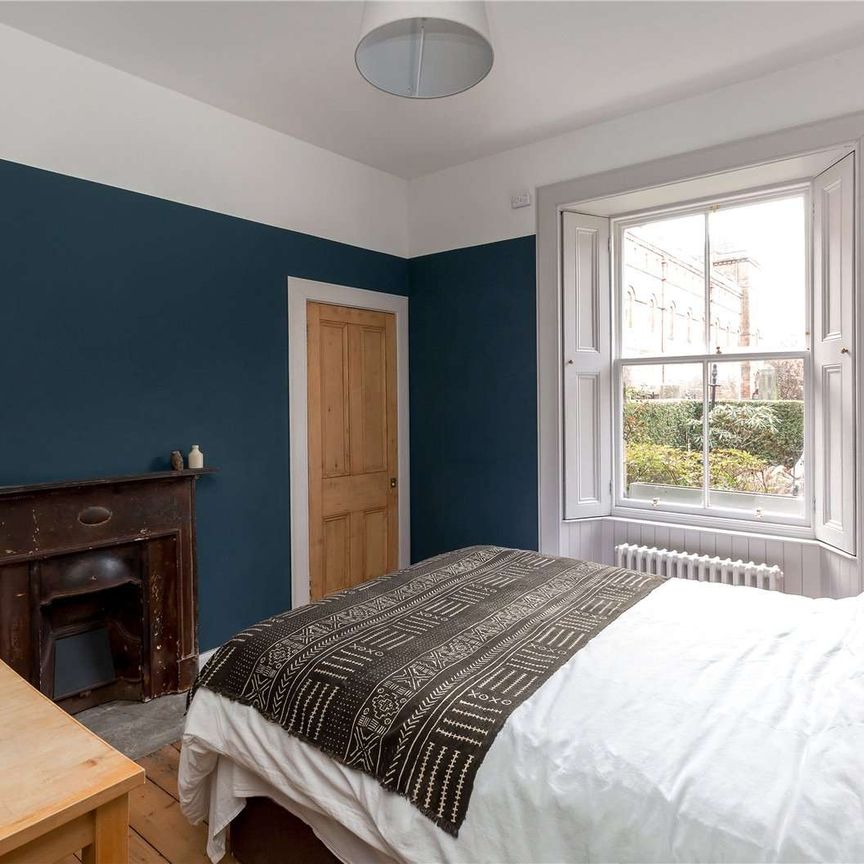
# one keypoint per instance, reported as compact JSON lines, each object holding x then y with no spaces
{"x":788,"y":442}
{"x":740,"y":471}
{"x":771,"y":431}
{"x":730,"y":469}
{"x":659,"y":463}
{"x":655,"y":422}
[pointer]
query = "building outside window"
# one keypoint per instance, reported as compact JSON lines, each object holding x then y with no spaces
{"x":713,"y":416}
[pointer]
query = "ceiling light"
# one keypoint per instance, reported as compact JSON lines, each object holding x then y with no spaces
{"x":424,"y":50}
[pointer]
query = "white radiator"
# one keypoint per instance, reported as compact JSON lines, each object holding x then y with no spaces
{"x":702,"y":568}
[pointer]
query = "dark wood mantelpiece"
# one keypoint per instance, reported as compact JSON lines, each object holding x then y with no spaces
{"x":114,"y":553}
{"x":105,"y":481}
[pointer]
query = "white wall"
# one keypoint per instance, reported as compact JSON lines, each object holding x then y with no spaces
{"x":65,"y":113}
{"x":470,"y":204}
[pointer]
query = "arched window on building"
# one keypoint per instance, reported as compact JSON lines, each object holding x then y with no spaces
{"x":652,"y":313}
{"x":670,"y":327}
{"x":630,"y":308}
{"x":689,"y":326}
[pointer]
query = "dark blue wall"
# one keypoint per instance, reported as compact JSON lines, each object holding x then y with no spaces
{"x":131,"y":326}
{"x":474,"y":398}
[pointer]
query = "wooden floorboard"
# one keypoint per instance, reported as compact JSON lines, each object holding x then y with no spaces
{"x":158,"y":832}
{"x":156,"y":816}
{"x":162,"y":767}
{"x":141,"y":852}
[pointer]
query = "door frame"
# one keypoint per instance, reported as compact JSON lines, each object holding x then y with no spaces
{"x":300,"y":292}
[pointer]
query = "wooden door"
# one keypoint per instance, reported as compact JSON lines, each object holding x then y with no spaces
{"x":353,"y":482}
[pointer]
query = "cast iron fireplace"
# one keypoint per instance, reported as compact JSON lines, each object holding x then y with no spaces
{"x":98,"y":595}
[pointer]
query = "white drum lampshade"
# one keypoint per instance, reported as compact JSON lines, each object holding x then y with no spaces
{"x":424,"y":50}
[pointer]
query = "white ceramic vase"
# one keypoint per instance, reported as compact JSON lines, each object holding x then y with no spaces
{"x":196,"y":457}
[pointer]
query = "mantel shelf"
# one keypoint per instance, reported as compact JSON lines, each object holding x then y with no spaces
{"x":191,"y":473}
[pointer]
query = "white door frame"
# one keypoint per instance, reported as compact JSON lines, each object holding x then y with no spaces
{"x":300,"y":292}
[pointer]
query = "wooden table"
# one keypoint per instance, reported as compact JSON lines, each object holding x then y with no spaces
{"x":61,"y":787}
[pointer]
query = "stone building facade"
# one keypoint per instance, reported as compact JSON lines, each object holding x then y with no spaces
{"x":663,"y":298}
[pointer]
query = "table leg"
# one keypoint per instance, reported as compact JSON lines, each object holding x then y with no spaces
{"x":111,"y":842}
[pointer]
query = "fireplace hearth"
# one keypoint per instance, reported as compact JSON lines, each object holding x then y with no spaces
{"x":98,"y":591}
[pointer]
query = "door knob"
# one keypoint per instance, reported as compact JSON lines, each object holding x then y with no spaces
{"x":393,"y":482}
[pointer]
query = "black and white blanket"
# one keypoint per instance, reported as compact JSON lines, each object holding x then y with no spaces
{"x":410,"y":677}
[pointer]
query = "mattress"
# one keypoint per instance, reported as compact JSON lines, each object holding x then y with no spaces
{"x":707,"y":723}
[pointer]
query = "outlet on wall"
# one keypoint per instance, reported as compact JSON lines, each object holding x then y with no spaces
{"x":520,"y":199}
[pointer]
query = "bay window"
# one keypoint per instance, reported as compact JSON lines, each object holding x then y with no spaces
{"x":707,"y":372}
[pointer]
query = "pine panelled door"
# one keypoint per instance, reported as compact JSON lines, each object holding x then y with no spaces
{"x":353,"y":481}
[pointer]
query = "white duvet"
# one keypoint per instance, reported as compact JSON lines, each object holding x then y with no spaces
{"x":707,"y":723}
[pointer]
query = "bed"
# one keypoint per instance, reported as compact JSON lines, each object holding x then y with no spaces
{"x":704,"y":722}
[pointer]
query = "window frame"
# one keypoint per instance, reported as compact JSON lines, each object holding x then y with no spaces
{"x":715,"y":517}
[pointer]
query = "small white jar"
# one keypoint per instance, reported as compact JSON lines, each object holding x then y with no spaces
{"x":196,"y":457}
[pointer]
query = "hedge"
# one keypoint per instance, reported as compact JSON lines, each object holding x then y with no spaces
{"x":728,"y":469}
{"x":772,"y":432}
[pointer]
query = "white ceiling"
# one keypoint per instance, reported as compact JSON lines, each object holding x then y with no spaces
{"x":558,"y":65}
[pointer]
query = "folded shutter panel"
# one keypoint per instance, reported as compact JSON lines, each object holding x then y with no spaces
{"x":587,"y":366}
{"x":833,"y":344}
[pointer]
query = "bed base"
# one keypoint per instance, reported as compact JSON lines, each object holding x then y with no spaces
{"x":265,"y":833}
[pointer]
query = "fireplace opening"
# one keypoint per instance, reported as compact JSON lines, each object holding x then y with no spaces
{"x":83,"y":662}
{"x":92,"y":626}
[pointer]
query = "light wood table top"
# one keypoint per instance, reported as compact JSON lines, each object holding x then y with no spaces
{"x":52,"y":769}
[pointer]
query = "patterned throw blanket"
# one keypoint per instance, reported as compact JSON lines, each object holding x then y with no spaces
{"x":410,"y":677}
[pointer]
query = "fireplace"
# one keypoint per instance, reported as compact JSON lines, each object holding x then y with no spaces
{"x":98,"y":592}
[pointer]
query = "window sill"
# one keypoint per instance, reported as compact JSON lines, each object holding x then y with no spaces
{"x":697,"y":521}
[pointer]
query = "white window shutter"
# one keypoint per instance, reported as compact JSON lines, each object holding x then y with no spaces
{"x":833,"y":344}
{"x":587,"y":359}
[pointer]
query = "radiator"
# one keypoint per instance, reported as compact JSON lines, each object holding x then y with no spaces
{"x":701,"y":568}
